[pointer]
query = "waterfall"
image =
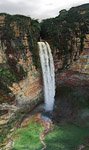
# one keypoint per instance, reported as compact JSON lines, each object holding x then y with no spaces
{"x":47,"y":66}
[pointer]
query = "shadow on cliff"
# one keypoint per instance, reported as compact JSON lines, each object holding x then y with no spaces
{"x":72,"y":96}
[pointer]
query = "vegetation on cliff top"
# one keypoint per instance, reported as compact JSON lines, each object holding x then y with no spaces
{"x":18,"y":34}
{"x":69,"y":28}
{"x":14,"y":30}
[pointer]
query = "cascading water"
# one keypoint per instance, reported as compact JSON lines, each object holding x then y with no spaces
{"x":47,"y":65}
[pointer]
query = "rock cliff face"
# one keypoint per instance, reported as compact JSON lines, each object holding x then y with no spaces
{"x":19,"y":60}
{"x":67,"y":35}
{"x":20,"y":73}
{"x":82,"y":64}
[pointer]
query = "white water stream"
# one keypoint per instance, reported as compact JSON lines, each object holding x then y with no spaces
{"x":48,"y":72}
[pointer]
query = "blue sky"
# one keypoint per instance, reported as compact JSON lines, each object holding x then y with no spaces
{"x":38,"y":9}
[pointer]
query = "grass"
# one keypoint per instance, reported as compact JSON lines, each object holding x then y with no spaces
{"x":67,"y":137}
{"x":63,"y":137}
{"x":28,"y":138}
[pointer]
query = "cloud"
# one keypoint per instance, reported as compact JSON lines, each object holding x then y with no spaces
{"x":38,"y":9}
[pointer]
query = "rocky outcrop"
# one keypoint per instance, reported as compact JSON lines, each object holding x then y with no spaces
{"x":64,"y":61}
{"x":27,"y":89}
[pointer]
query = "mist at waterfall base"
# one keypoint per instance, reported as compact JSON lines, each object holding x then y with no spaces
{"x":48,"y":73}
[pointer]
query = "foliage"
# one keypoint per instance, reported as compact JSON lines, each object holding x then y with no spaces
{"x":33,"y":38}
{"x":7,"y":76}
{"x":28,"y":137}
{"x":65,"y":137}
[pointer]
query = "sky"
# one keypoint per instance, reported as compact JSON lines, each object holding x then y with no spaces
{"x":38,"y":9}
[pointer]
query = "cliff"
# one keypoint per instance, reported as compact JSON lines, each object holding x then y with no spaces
{"x":20,"y":77}
{"x":82,"y":64}
{"x":67,"y":34}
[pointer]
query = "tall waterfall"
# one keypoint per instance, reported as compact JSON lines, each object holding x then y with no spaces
{"x":47,"y":65}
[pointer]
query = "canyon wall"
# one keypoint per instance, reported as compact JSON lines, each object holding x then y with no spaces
{"x":68,"y":33}
{"x":82,"y":64}
{"x":20,"y":71}
{"x":20,"y":74}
